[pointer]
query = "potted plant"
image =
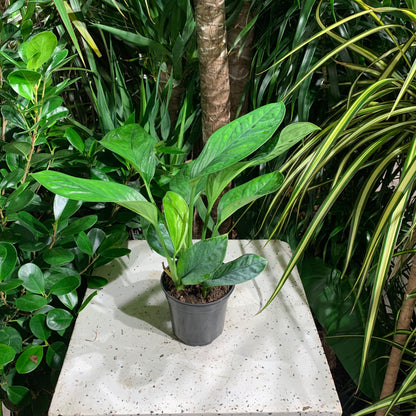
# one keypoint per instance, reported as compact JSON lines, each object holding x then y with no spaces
{"x":193,"y":266}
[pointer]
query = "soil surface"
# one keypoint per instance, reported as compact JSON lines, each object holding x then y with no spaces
{"x":194,"y":293}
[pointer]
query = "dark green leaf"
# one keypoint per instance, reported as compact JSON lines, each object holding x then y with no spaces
{"x":30,"y":302}
{"x":18,"y":395}
{"x":200,"y":260}
{"x":64,"y":208}
{"x":59,"y":319}
{"x":74,"y":138}
{"x":11,"y":336}
{"x":29,"y":359}
{"x":240,"y":270}
{"x":10,"y":285}
{"x":57,"y":256}
{"x":30,"y":222}
{"x":32,"y":278}
{"x":8,"y":259}
{"x":84,"y":243}
{"x":65,"y":285}
{"x":87,"y":301}
{"x":55,"y":354}
{"x":13,"y":116}
{"x":80,"y":224}
{"x":70,"y":300}
{"x":7,"y":354}
{"x":19,"y":200}
{"x":24,"y":82}
{"x":38,"y":327}
{"x":96,"y":282}
{"x":19,"y":148}
{"x":96,"y":237}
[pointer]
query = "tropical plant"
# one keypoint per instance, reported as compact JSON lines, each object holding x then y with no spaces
{"x":170,"y":231}
{"x":49,"y":246}
{"x":365,"y":154}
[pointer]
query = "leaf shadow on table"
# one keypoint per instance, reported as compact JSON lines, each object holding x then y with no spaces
{"x":149,"y":306}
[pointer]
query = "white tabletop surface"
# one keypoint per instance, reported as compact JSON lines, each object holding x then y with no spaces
{"x":123,"y":359}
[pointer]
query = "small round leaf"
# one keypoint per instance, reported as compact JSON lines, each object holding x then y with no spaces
{"x":57,"y":256}
{"x":55,"y":354}
{"x":29,"y":359}
{"x":32,"y":277}
{"x":18,"y":395}
{"x":59,"y":319}
{"x":7,"y":354}
{"x":30,"y":302}
{"x":37,"y":325}
{"x":8,"y":259}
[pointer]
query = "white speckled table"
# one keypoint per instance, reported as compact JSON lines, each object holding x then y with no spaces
{"x":124,"y":361}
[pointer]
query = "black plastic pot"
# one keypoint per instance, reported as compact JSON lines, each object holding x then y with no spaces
{"x":197,"y":324}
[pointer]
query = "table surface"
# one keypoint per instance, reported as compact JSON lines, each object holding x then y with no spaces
{"x":123,"y":359}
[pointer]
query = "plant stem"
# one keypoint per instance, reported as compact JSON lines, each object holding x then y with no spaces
{"x":403,"y":323}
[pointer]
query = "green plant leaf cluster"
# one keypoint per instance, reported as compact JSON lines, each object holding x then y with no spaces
{"x":49,"y":245}
{"x":224,"y":156}
{"x":353,"y":182}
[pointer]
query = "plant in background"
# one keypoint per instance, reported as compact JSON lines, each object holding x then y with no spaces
{"x":49,"y":246}
{"x":364,"y":157}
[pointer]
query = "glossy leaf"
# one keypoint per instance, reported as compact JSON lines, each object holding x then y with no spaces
{"x":65,"y":285}
{"x":240,"y":270}
{"x":18,"y":395}
{"x":11,"y":336}
{"x":90,"y":190}
{"x":8,"y":259}
{"x":24,"y":82}
{"x":19,"y":200}
{"x":96,"y":282}
{"x":37,"y":325}
{"x":84,"y":243}
{"x":238,"y":139}
{"x":55,"y":354}
{"x":64,"y":208}
{"x":96,"y":237}
{"x":199,"y":261}
{"x":30,"y":302}
{"x":135,"y":145}
{"x":38,"y":49}
{"x":176,"y":212}
{"x":29,"y":359}
{"x":59,"y":319}
{"x":242,"y":195}
{"x":70,"y":300}
{"x":80,"y":224}
{"x":7,"y":354}
{"x":32,"y":277}
{"x":73,"y":137}
{"x":57,"y":256}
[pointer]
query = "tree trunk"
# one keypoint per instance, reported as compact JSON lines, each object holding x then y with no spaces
{"x":240,"y":62}
{"x":213,"y":65}
{"x":403,"y":323}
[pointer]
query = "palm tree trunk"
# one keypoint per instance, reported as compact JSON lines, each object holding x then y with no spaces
{"x":240,"y":62}
{"x":213,"y":65}
{"x":403,"y":323}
